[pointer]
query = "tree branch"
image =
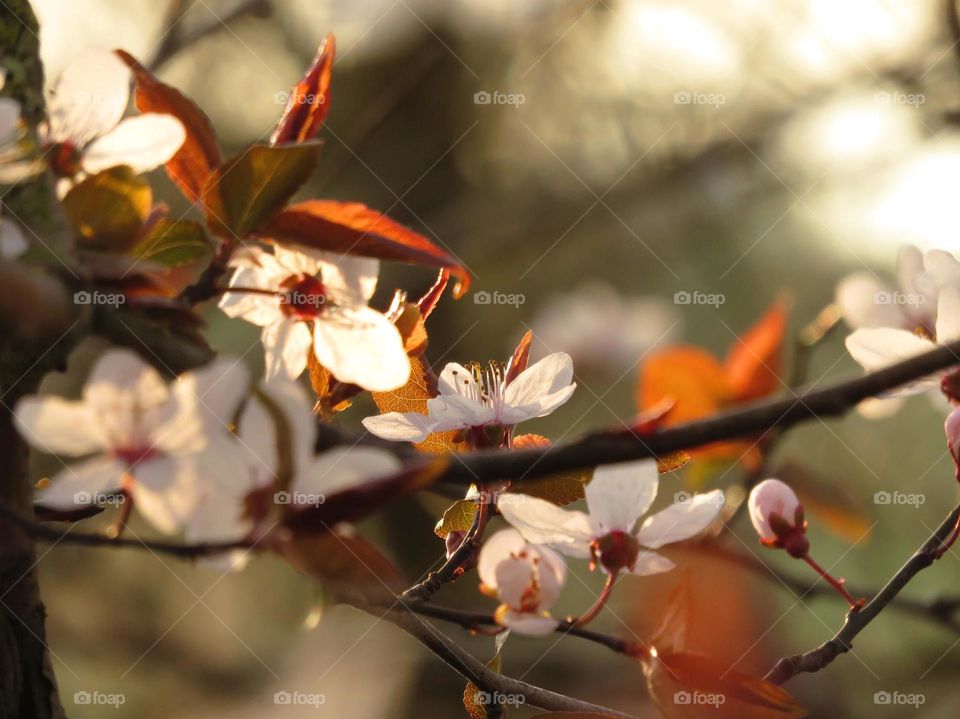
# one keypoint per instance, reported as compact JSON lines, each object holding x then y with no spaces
{"x":842,"y":641}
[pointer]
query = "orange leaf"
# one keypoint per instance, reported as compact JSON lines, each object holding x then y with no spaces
{"x":689,"y":376}
{"x":560,"y":489}
{"x":199,"y":154}
{"x":354,"y":228}
{"x":520,"y":359}
{"x":431,"y":297}
{"x":309,"y":100}
{"x":754,"y":365}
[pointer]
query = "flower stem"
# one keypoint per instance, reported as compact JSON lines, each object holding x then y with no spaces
{"x":251,"y":291}
{"x":589,"y":615}
{"x":835,"y":583}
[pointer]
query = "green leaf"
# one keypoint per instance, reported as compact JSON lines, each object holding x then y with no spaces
{"x":249,"y":189}
{"x":458,"y":518}
{"x":174,"y":243}
{"x":107,"y":210}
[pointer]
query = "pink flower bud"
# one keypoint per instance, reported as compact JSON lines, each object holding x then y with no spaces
{"x":777,"y":515}
{"x":952,"y":429}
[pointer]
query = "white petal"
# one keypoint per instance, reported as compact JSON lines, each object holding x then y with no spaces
{"x":286,"y":347}
{"x":651,"y":563}
{"x":219,"y":519}
{"x":59,"y":426}
{"x":74,"y":485}
{"x":552,"y":573}
{"x":876,"y":408}
{"x":12,"y":241}
{"x":300,"y":260}
{"x":497,"y":548}
{"x":217,"y":388}
{"x":121,"y":376}
{"x":257,"y":433}
{"x":361,"y":346}
{"x":399,"y":426}
{"x":291,"y":399}
{"x":541,"y":522}
{"x":909,"y":269}
{"x":254,"y":269}
{"x":865,"y":301}
{"x":142,"y":142}
{"x":541,"y":408}
{"x":349,"y":280}
{"x":681,"y":520}
{"x":771,"y":496}
{"x":342,"y":468}
{"x":89,"y":97}
{"x":167,"y":491}
{"x":550,"y":375}
{"x":942,"y":269}
{"x":514,"y":577}
{"x":527,"y":623}
{"x":948,"y":316}
{"x":453,"y":412}
{"x":619,"y":494}
{"x":879,"y":347}
{"x":456,"y":380}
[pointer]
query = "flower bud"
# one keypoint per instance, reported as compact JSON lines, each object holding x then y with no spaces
{"x":777,"y":515}
{"x":952,"y":429}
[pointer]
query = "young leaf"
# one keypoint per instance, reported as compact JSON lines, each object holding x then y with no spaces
{"x":458,"y":518}
{"x":173,"y":243}
{"x":560,"y":489}
{"x":250,"y":188}
{"x":431,"y":297}
{"x":108,"y":209}
{"x":354,"y":228}
{"x":754,"y":364}
{"x":199,"y":154}
{"x":690,"y":376}
{"x":309,"y":100}
{"x":520,"y":359}
{"x":472,"y":696}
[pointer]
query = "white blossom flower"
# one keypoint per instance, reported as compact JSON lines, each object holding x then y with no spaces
{"x":161,"y":444}
{"x":85,"y":131}
{"x":477,"y":398}
{"x":15,"y":161}
{"x":525,"y":578}
{"x":307,"y":299}
{"x":12,"y":242}
{"x":617,"y":496}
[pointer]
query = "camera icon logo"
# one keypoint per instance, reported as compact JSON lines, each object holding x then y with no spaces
{"x":881,"y":498}
{"x":882,"y":698}
{"x":81,"y":298}
{"x":282,"y":698}
{"x":481,"y":298}
{"x":682,"y":298}
{"x":682,"y":697}
{"x":681,"y":98}
{"x":281,"y":497}
{"x":482,"y":97}
{"x":82,"y":698}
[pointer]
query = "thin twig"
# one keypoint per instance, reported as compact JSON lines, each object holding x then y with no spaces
{"x":842,"y":641}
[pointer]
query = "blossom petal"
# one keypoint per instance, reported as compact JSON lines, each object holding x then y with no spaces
{"x":514,"y":577}
{"x":541,"y":522}
{"x":550,"y":375}
{"x":619,"y":494}
{"x":167,"y":491}
{"x":342,"y":468}
{"x":457,"y":380}
{"x":218,"y":387}
{"x":651,"y":563}
{"x":89,"y":98}
{"x":73,"y":485}
{"x":875,"y":348}
{"x":527,"y":623}
{"x":909,"y":270}
{"x":681,"y":520}
{"x":349,"y":280}
{"x":497,"y":548}
{"x":552,"y":573}
{"x":399,"y":426}
{"x":860,"y":296}
{"x":361,"y":346}
{"x":299,"y":259}
{"x":121,"y":378}
{"x":948,"y":315}
{"x":142,"y":142}
{"x":12,"y":241}
{"x":286,"y":347}
{"x":59,"y":426}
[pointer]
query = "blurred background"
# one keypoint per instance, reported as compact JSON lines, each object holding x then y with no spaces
{"x":587,"y":160}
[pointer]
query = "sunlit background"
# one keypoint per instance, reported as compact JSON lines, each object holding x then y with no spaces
{"x":590,"y":159}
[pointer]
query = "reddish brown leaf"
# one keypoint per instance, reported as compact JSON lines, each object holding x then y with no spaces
{"x":431,"y":297}
{"x":309,"y":100}
{"x":560,"y":489}
{"x":520,"y":359}
{"x":353,"y":228}
{"x":199,"y":155}
{"x":754,"y":364}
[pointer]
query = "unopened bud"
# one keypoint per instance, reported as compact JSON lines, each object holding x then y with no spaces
{"x":777,"y":515}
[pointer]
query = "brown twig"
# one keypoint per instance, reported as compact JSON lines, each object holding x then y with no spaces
{"x":842,"y":641}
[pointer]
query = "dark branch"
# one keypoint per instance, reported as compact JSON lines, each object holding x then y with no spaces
{"x":842,"y":641}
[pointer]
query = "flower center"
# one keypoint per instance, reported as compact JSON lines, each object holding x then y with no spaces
{"x":616,"y":550}
{"x":302,"y":297}
{"x":485,"y":385}
{"x":134,"y":455}
{"x":64,"y":159}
